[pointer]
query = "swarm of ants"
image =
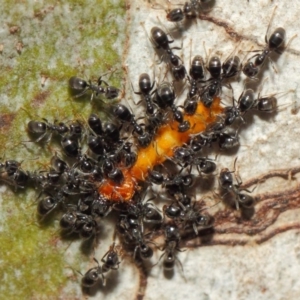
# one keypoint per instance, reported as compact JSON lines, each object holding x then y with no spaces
{"x":99,"y":152}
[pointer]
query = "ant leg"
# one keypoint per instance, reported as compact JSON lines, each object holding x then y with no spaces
{"x":287,"y":45}
{"x":195,"y":228}
{"x":137,"y":93}
{"x":42,"y":136}
{"x":103,"y":279}
{"x":149,"y":38}
{"x":266,"y":36}
{"x":272,"y":64}
{"x":159,"y":258}
{"x":140,"y":101}
{"x":103,"y":258}
{"x":168,"y":32}
{"x":234,"y":165}
{"x":99,"y":80}
{"x":82,"y":93}
{"x":104,"y":82}
{"x":237,"y":204}
{"x":261,"y":87}
{"x":180,"y":264}
{"x":48,"y":138}
{"x":135,"y":252}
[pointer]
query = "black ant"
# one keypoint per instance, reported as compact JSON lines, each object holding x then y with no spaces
{"x":172,"y":239}
{"x":191,"y":215}
{"x":165,"y":97}
{"x":110,"y":261}
{"x":176,"y":185}
{"x":78,"y":222}
{"x":226,"y":140}
{"x":188,"y":214}
{"x":110,"y":170}
{"x":176,"y":188}
{"x":274,"y":43}
{"x":121,"y":155}
{"x":84,"y":163}
{"x":72,"y":149}
{"x":45,"y":129}
{"x":246,"y":102}
{"x":160,"y":40}
{"x":187,"y":157}
{"x":200,"y":141}
{"x":72,"y":219}
{"x":212,"y":87}
{"x":105,"y":138}
{"x":190,"y":10}
{"x":141,"y":244}
{"x":145,"y":88}
{"x":196,"y":74}
{"x":226,"y":183}
{"x":109,"y":157}
{"x":147,"y":212}
{"x":73,"y":183}
{"x":80,"y":87}
{"x":123,"y":114}
{"x":131,"y":228}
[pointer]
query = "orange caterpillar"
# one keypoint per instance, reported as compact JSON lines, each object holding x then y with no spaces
{"x":166,"y":140}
